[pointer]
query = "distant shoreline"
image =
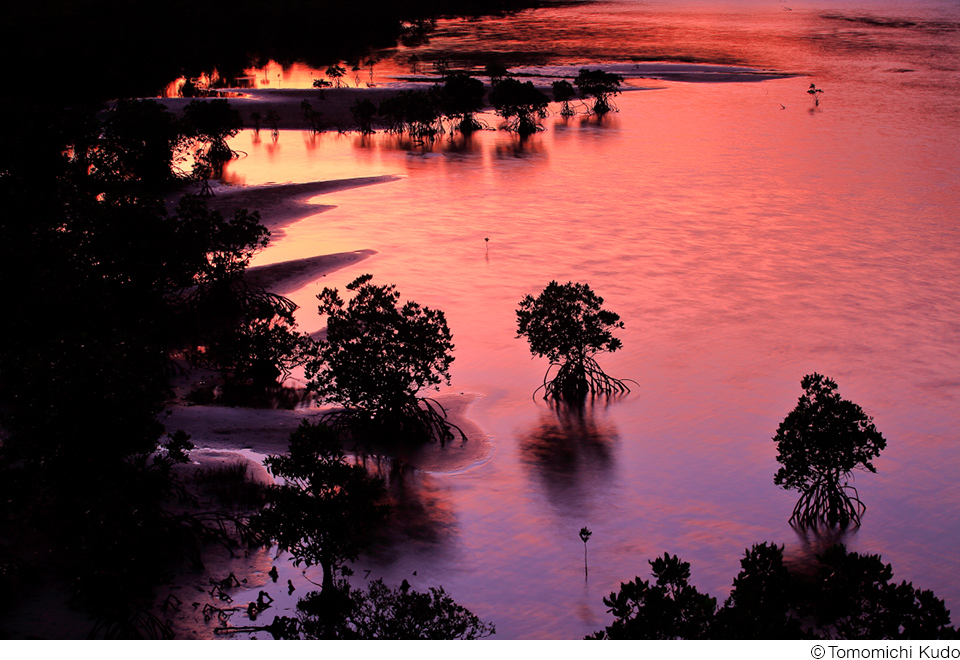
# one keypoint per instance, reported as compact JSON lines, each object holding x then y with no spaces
{"x":335,"y":103}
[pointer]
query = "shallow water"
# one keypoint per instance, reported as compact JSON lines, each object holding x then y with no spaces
{"x":745,"y":237}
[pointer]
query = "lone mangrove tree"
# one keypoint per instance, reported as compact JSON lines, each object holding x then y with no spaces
{"x":567,"y":324}
{"x":601,"y":86}
{"x":819,"y":445}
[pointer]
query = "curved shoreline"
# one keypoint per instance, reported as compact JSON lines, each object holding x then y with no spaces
{"x":281,"y":205}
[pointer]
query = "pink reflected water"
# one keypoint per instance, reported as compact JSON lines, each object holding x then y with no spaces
{"x":745,"y":238}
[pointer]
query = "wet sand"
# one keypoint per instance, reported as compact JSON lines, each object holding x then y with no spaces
{"x":281,"y":205}
{"x":265,"y":431}
{"x":287,"y":276}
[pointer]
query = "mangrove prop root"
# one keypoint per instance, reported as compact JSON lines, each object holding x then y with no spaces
{"x":828,"y":502}
{"x":419,"y":419}
{"x":576,"y":380}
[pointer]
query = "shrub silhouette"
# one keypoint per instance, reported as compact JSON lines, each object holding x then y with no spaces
{"x":819,"y":445}
{"x":562,"y":93}
{"x":336,"y":72}
{"x":325,"y":507}
{"x":380,"y":612}
{"x":363,"y":113}
{"x":416,"y":111}
{"x":851,"y":597}
{"x":376,"y":359}
{"x":669,"y":609}
{"x":460,"y":98}
{"x":600,"y":85}
{"x":209,"y":124}
{"x":567,"y":325}
{"x":520,"y":104}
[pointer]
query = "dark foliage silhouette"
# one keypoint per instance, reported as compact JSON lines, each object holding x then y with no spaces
{"x":315,"y":118}
{"x":496,"y":72}
{"x":336,"y":72}
{"x":567,"y":324}
{"x":562,"y":93}
{"x":323,"y":515}
{"x":380,"y":612}
{"x":850,"y":597}
{"x":762,"y":600}
{"x":601,"y":86}
{"x":415,"y":111}
{"x":819,"y":445}
{"x":363,"y":112}
{"x":257,"y":352}
{"x":326,"y":507}
{"x":209,"y":124}
{"x":460,"y":98}
{"x":124,"y":286}
{"x":670,"y":608}
{"x":145,"y":144}
{"x":376,"y":359}
{"x":857,"y":600}
{"x":815,"y":93}
{"x":520,"y":104}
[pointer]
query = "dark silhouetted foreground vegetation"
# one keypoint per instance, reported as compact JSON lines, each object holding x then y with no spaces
{"x":110,"y":288}
{"x":323,"y":515}
{"x":851,"y":596}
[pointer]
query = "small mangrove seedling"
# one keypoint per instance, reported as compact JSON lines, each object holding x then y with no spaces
{"x":567,"y":324}
{"x":585,"y":535}
{"x":815,"y":93}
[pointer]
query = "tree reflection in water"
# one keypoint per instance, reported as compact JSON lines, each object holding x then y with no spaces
{"x":570,"y":451}
{"x":422,"y":518}
{"x":812,"y":542}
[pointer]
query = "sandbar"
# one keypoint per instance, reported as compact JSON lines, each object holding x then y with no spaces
{"x":281,"y":205}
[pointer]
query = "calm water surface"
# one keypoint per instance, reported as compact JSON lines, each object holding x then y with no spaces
{"x":746,"y":239}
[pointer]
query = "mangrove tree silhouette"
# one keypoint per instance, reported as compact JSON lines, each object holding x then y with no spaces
{"x":379,"y":612}
{"x":209,"y":124}
{"x":567,"y":324}
{"x":325,"y":507}
{"x":520,"y":104}
{"x":600,"y":85}
{"x":562,"y":93}
{"x":819,"y":444}
{"x":323,"y":514}
{"x":461,"y":97}
{"x":376,"y":359}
